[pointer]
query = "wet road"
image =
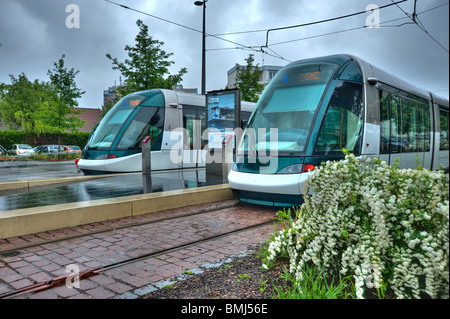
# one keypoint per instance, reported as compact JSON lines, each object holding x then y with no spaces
{"x":108,"y":187}
{"x":28,"y":170}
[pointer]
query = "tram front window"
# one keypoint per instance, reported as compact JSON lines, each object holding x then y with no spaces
{"x":110,"y":125}
{"x":288,"y":105}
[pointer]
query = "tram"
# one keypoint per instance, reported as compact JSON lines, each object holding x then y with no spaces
{"x":314,"y":108}
{"x":174,"y":121}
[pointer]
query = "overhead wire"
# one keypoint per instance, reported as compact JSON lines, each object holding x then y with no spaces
{"x":192,"y":29}
{"x":326,"y":34}
{"x":325,"y":20}
{"x":441,"y":5}
{"x":309,"y":23}
{"x":415,"y":19}
{"x":362,"y":27}
{"x":339,"y":31}
{"x":240,"y":46}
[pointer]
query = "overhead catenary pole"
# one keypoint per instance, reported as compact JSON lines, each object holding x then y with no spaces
{"x":203,"y":3}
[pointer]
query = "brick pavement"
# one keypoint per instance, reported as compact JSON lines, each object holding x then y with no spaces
{"x":100,"y":246}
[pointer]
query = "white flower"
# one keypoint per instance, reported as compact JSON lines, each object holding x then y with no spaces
{"x":329,"y":230}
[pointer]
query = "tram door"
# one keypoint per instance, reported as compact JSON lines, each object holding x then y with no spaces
{"x":194,"y":123}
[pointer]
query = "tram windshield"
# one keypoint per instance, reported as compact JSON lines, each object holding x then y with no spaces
{"x":129,"y":121}
{"x":288,"y":105}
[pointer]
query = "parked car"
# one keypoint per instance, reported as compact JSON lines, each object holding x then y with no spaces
{"x":48,"y":149}
{"x":20,"y":150}
{"x":72,"y":149}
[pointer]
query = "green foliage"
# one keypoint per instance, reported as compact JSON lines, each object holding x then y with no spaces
{"x":247,"y":80}
{"x":41,"y":107}
{"x":63,"y":80}
{"x":51,"y":157}
{"x":9,"y":137}
{"x":315,"y":285}
{"x":147,"y":66}
{"x":21,"y":101}
{"x":386,"y":227}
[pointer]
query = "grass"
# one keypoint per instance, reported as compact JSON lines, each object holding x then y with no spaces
{"x":316,"y":284}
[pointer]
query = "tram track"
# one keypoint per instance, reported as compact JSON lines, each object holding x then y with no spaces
{"x":15,"y":251}
{"x":61,"y":280}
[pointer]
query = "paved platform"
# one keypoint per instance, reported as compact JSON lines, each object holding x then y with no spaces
{"x":36,"y":219}
{"x":106,"y":220}
{"x":30,"y":206}
{"x":51,"y":191}
{"x":42,"y":256}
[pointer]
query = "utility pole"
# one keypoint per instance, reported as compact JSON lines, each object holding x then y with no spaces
{"x":414,"y":13}
{"x":203,"y":3}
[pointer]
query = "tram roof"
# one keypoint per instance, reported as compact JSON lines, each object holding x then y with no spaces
{"x":185,"y":98}
{"x":371,"y":71}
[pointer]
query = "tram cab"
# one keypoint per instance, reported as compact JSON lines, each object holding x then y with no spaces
{"x":174,"y":120}
{"x":314,"y":108}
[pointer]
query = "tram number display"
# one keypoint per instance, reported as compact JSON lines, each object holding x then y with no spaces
{"x":310,"y":76}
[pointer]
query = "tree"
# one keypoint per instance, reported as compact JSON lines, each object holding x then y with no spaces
{"x":33,"y":106}
{"x":247,"y":80}
{"x":18,"y":102}
{"x":63,"y":81}
{"x":147,"y":65}
{"x":39,"y":106}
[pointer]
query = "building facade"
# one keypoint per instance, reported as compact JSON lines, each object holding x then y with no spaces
{"x":267,"y":73}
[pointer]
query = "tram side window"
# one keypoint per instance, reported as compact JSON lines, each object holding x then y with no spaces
{"x":397,"y":140}
{"x":343,"y":120}
{"x":405,"y":125}
{"x":444,"y":140}
{"x":202,"y":116}
{"x":189,"y":118}
{"x":415,"y":126}
{"x":385,"y":123}
{"x":188,"y":124}
{"x":149,"y":121}
{"x":424,"y":134}
{"x":409,"y":126}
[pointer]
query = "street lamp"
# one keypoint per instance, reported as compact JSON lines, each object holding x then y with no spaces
{"x":203,"y":3}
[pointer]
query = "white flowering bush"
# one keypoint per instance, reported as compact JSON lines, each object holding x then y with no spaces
{"x":387,"y":227}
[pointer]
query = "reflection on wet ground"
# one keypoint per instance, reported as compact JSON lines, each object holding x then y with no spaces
{"x":108,"y":187}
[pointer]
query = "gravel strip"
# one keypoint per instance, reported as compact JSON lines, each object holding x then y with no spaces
{"x":239,"y":277}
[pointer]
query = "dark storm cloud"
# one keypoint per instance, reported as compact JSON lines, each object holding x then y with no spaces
{"x":34,"y":36}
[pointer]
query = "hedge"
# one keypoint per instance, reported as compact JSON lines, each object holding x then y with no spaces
{"x":8,"y":137}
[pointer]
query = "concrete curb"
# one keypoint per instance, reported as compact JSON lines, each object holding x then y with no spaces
{"x":4,"y":186}
{"x":39,"y":219}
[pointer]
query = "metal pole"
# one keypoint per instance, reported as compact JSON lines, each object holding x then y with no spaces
{"x":227,"y":156}
{"x":147,"y":165}
{"x":204,"y":50}
{"x":146,"y":155}
{"x":203,"y":3}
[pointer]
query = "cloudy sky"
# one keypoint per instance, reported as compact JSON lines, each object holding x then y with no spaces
{"x":34,"y":35}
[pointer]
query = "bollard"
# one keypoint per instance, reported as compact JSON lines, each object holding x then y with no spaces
{"x":227,"y":156}
{"x":76,"y":164}
{"x":146,"y":155}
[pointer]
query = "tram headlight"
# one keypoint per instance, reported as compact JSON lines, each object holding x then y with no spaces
{"x":292,"y":169}
{"x":105,"y":156}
